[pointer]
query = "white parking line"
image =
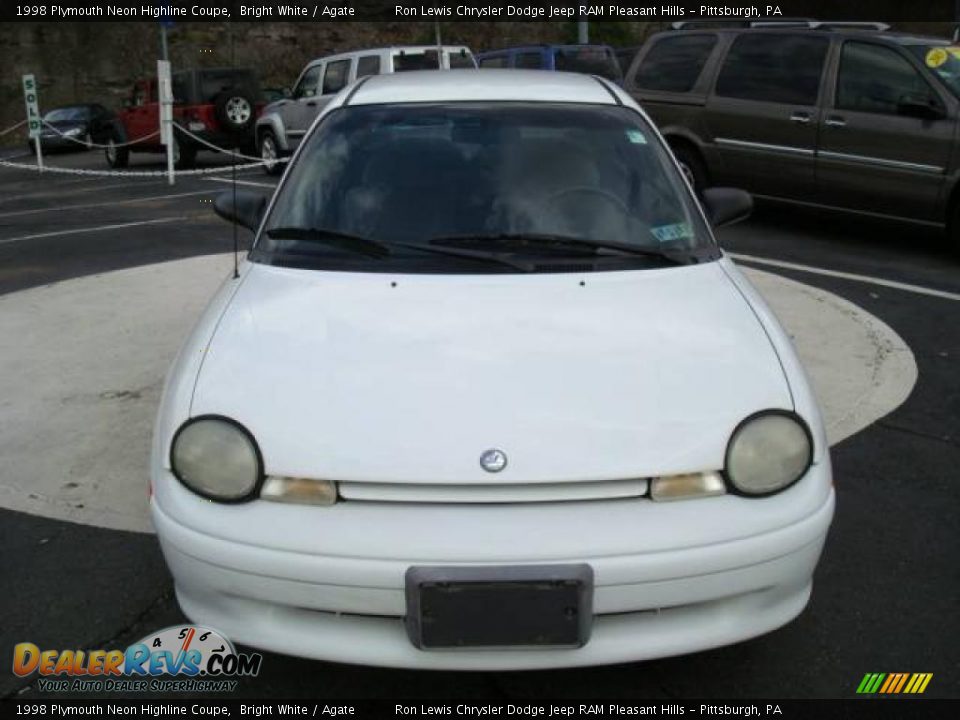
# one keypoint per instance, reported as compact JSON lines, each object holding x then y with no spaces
{"x":241,"y":182}
{"x":99,"y":228}
{"x":906,"y":287}
{"x":112,"y":203}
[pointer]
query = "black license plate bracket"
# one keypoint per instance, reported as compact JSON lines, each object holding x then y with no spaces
{"x":536,"y":606}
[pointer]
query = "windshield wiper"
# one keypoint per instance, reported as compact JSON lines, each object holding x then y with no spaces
{"x":517,"y":242}
{"x":379,"y":249}
{"x":343,"y":241}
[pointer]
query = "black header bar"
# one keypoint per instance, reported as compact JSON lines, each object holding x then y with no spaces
{"x":148,"y":707}
{"x":321,"y":11}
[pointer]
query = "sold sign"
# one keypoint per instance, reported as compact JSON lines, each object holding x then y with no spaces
{"x":33,"y":106}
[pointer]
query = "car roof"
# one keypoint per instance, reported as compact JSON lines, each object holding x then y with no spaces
{"x":388,"y":48}
{"x":546,"y":46}
{"x":482,"y":85}
{"x":899,"y":38}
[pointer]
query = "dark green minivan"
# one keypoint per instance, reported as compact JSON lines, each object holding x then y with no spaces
{"x":842,"y":116}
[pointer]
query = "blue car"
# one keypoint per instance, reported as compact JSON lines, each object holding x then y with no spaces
{"x":591,"y":59}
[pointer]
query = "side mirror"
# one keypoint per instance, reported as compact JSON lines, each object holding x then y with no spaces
{"x":725,"y":206}
{"x":920,"y":106}
{"x":247,"y":210}
{"x":287,"y":92}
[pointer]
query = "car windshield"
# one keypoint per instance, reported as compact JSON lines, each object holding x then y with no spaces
{"x":591,"y":60}
{"x":943,"y":60}
{"x":67,"y":114}
{"x":573,"y":177}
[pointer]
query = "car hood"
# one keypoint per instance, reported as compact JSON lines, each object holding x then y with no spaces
{"x":374,"y":377}
{"x":62,"y":126}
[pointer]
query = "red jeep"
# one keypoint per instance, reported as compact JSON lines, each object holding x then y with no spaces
{"x":218,"y":105}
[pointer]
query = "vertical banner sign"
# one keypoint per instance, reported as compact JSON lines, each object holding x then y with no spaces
{"x":33,"y":114}
{"x":165,"y":91}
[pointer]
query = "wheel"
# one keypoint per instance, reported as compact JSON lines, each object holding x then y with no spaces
{"x":117,"y":157}
{"x":692,"y":166}
{"x":184,"y":155}
{"x":269,"y":152}
{"x":234,"y":110}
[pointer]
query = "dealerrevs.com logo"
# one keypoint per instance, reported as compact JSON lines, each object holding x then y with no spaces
{"x":177,"y":659}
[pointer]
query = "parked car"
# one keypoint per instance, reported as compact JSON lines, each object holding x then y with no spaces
{"x":218,"y":105}
{"x":74,"y":127}
{"x":829,"y":115}
{"x":284,"y":123}
{"x":591,"y":59}
{"x":487,"y":395}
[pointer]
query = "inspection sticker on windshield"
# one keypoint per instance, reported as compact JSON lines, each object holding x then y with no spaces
{"x":666,"y":233}
{"x":635,"y":136}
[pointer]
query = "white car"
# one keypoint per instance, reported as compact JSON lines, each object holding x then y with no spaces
{"x":487,"y":395}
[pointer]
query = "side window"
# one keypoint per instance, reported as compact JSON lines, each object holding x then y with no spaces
{"x":368,"y":65}
{"x":460,"y":59}
{"x":336,"y":76}
{"x":675,"y":63}
{"x":774,"y":68}
{"x":529,"y":60}
{"x":497,"y":61}
{"x":874,"y":79}
{"x":307,"y":87}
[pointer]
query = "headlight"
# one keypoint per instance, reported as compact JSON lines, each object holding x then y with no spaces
{"x":73,"y":131}
{"x":217,"y":458}
{"x":768,"y":452}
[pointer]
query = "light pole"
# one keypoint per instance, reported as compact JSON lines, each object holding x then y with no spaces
{"x":583,"y":31}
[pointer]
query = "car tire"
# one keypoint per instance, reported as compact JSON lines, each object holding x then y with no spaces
{"x":270,"y":150}
{"x":692,"y":165}
{"x":184,"y":154}
{"x":235,"y":110}
{"x":117,"y":157}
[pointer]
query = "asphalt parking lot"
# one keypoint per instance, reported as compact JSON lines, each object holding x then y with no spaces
{"x":886,"y":590}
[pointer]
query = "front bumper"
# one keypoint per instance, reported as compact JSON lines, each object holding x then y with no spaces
{"x":334,"y":603}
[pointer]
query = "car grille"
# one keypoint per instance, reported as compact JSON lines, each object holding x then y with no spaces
{"x":493,"y":493}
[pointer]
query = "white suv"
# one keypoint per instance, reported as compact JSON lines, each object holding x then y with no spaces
{"x":283,"y":123}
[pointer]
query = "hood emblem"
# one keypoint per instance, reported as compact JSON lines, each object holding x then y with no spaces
{"x":493,"y":460}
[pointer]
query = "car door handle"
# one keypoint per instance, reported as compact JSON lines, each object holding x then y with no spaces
{"x":837,"y":122}
{"x":312,"y":103}
{"x":800,"y":117}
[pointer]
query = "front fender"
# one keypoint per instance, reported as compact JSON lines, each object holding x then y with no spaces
{"x":273,"y":121}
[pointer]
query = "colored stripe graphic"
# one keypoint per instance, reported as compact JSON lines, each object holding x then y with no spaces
{"x":894,"y":683}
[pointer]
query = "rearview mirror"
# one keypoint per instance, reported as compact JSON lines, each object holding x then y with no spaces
{"x":725,"y":206}
{"x":247,"y":210}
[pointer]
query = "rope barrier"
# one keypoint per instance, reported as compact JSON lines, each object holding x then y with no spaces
{"x":126,"y":173}
{"x":12,"y":128}
{"x":256,"y":162}
{"x":224,"y":150}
